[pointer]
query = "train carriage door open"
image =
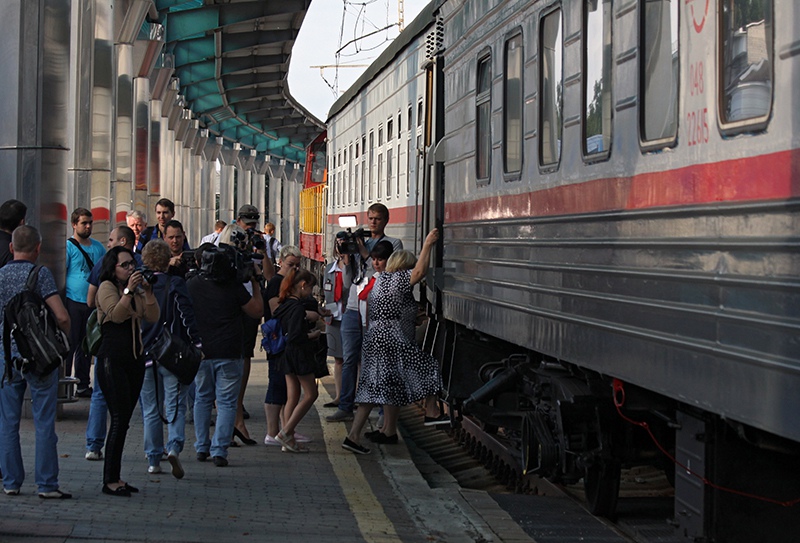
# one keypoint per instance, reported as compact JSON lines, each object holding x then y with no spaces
{"x":433,"y":177}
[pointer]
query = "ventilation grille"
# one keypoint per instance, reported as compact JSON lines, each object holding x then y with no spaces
{"x":434,"y":41}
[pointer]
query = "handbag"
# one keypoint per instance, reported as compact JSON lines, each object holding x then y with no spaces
{"x":177,"y":355}
{"x":94,"y":335}
{"x":321,"y":357}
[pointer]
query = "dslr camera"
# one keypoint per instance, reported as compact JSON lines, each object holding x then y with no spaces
{"x":149,"y":276}
{"x":348,"y":240}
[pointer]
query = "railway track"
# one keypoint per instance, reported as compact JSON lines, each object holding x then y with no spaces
{"x":482,"y":461}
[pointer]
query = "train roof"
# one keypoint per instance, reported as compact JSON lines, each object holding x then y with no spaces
{"x":420,"y":23}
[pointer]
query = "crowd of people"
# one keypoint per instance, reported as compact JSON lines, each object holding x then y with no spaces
{"x":147,"y":284}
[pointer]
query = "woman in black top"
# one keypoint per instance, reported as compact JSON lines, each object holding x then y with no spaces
{"x":123,"y":300}
{"x":298,"y":358}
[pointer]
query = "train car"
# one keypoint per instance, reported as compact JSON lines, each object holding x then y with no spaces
{"x":617,"y":280}
{"x":313,"y":205}
{"x":377,"y":135}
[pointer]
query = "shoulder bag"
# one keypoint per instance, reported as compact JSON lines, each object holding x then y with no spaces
{"x":176,"y":354}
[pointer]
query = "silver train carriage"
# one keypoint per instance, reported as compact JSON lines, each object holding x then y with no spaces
{"x":617,"y":185}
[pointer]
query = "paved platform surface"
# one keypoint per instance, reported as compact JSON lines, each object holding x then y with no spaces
{"x":328,"y":495}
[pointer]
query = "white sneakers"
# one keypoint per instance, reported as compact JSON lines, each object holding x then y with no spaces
{"x":154,"y":469}
{"x":94,"y":455}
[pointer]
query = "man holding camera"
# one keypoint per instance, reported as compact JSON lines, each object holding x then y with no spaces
{"x":219,"y":303}
{"x":377,"y":219}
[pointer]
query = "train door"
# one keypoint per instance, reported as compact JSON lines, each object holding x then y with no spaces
{"x":433,"y":176}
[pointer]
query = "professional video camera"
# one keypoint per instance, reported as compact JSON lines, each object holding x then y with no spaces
{"x":234,"y":259}
{"x":348,"y":240}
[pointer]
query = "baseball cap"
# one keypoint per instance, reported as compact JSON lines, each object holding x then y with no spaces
{"x":249,"y":214}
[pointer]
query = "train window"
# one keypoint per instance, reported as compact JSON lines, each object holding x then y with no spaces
{"x":380,"y":136}
{"x":356,"y":148}
{"x":410,"y":120}
{"x":512,"y":107}
{"x":746,"y":36}
{"x":551,"y":81}
{"x":380,"y":176}
{"x":597,"y":77}
{"x":350,"y":177}
{"x":371,"y":183}
{"x":660,"y":67}
{"x":409,"y":165}
{"x":389,"y":130}
{"x":389,"y":171}
{"x":420,"y":118}
{"x":399,"y":124}
{"x":483,"y":120}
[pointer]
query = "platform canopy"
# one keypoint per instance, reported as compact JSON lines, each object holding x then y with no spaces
{"x":231,"y":58}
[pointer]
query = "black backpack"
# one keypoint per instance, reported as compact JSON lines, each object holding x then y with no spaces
{"x":27,"y":319}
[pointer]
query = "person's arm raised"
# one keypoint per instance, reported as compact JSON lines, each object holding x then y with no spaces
{"x":424,"y":256}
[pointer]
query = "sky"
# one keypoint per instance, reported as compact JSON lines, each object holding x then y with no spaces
{"x":323,"y":33}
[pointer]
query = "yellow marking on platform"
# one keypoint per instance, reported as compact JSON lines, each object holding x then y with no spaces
{"x":372,"y":521}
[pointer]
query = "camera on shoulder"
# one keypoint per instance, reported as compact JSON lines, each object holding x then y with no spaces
{"x":348,"y":240}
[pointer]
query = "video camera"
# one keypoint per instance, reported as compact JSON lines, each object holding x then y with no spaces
{"x":348,"y":240}
{"x":234,"y":259}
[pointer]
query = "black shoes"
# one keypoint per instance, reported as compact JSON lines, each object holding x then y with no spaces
{"x":202,"y":456}
{"x":84,"y":393}
{"x":354,"y":447}
{"x":383,"y":439}
{"x":220,"y":461}
{"x":245,"y":440}
{"x":121,"y":491}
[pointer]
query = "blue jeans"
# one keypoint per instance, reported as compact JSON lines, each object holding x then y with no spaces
{"x":173,"y":406}
{"x":98,"y":418}
{"x":220,"y":378}
{"x":44,"y":399}
{"x":351,"y":347}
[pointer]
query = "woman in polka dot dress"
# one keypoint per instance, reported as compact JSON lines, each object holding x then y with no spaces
{"x":394,"y":371}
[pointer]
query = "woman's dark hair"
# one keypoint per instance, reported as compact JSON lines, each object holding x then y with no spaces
{"x":383,"y":250}
{"x":292,"y":279}
{"x":109,"y":266}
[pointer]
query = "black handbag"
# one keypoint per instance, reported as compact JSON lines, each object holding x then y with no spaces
{"x":321,"y":356}
{"x":177,"y":355}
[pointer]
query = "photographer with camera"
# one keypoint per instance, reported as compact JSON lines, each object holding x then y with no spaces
{"x":220,"y":299}
{"x":351,"y":329}
{"x":121,"y":236}
{"x":253,"y":245}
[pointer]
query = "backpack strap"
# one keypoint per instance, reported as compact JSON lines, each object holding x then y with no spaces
{"x":33,"y":278}
{"x":84,"y":253}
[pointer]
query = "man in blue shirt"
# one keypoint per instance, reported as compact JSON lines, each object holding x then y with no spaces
{"x":25,"y":246}
{"x":82,"y":254}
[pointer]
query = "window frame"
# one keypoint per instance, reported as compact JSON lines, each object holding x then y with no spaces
{"x":551,"y":166}
{"x":604,"y":155}
{"x":514,"y":175}
{"x":658,"y":143}
{"x":483,"y":98}
{"x":752,"y":124}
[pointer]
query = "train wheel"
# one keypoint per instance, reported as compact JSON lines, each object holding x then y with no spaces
{"x":601,"y":484}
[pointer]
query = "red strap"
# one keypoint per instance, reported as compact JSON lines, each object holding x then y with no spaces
{"x":364,"y":293}
{"x":337,"y":288}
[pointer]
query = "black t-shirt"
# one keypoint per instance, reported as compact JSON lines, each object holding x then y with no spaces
{"x":272,"y":290}
{"x":5,"y":252}
{"x":218,"y":311}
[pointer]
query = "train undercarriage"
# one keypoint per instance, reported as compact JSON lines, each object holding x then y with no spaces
{"x":570,"y":425}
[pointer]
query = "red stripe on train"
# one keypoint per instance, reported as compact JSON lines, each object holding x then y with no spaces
{"x":766,"y":177}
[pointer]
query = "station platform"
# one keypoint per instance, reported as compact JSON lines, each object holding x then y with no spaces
{"x":329,"y":495}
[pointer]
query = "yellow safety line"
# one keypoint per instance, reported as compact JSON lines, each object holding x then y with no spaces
{"x":372,"y":521}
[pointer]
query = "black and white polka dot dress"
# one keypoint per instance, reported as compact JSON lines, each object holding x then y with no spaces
{"x":394,"y":370}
